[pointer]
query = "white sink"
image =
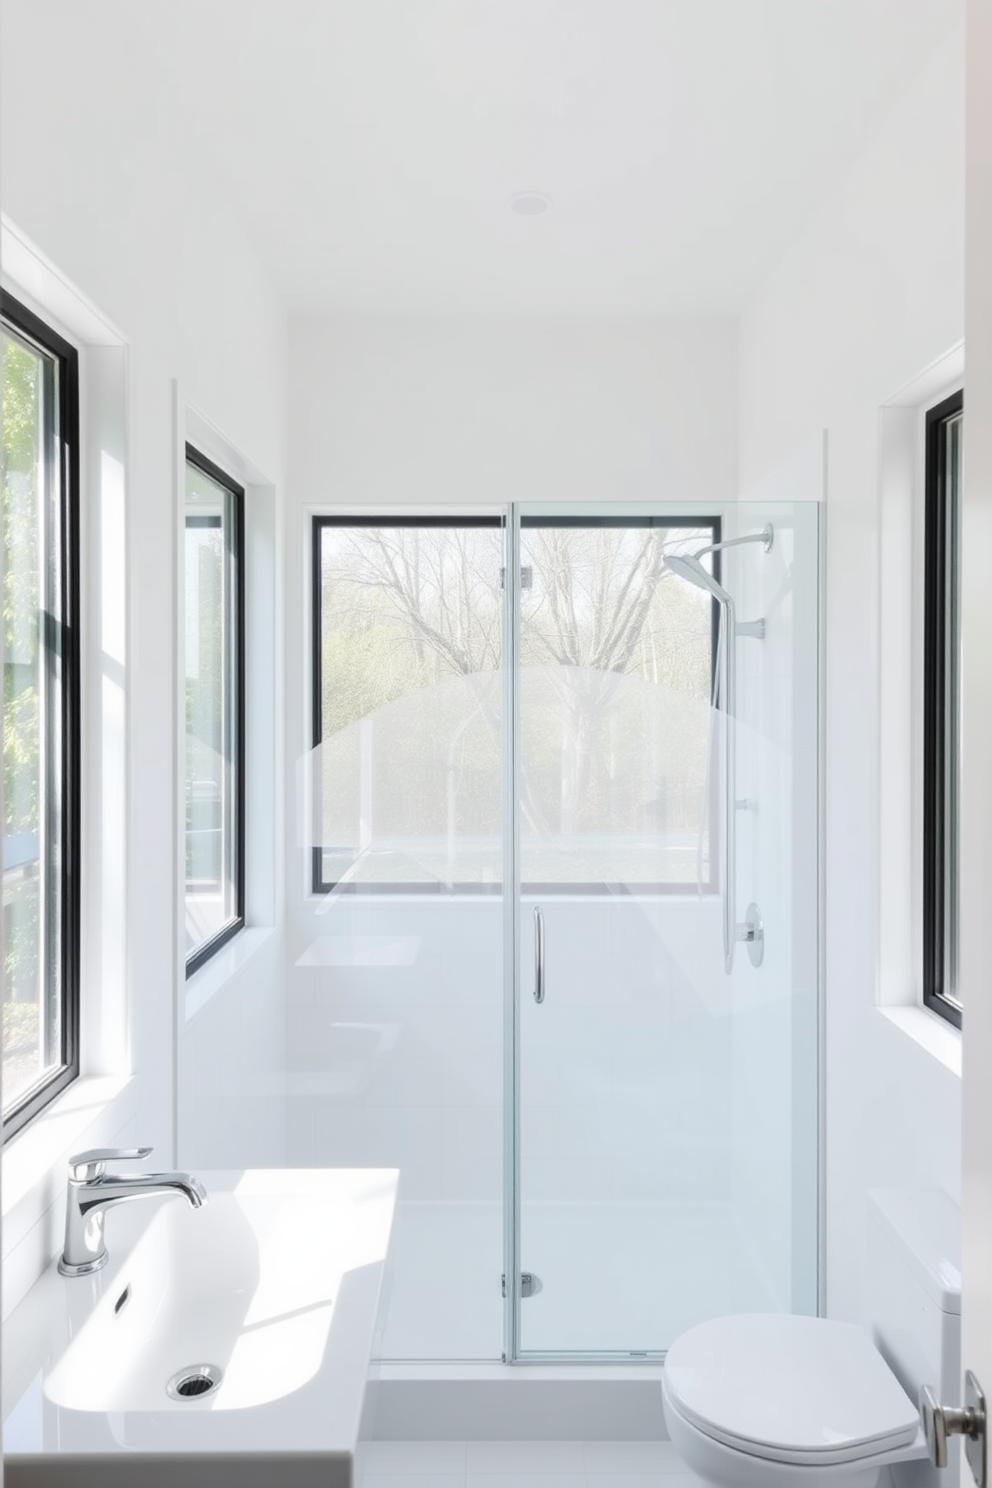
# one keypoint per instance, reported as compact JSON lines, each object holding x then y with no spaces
{"x":273,"y":1284}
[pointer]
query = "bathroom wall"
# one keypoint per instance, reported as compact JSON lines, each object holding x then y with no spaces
{"x":96,"y":174}
{"x":474,"y":410}
{"x":394,"y":1008}
{"x":868,"y":296}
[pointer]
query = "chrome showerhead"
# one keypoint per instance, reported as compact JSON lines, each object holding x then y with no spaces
{"x":688,"y":567}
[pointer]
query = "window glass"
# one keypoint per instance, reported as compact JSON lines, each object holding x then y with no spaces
{"x":214,"y":691}
{"x":616,"y":682}
{"x":409,"y":702}
{"x":40,"y":723}
{"x":941,"y":730}
{"x":616,"y":726}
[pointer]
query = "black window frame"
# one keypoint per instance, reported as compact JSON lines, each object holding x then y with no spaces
{"x":235,"y":549}
{"x":318,"y":884}
{"x":941,"y":557}
{"x":61,"y":638}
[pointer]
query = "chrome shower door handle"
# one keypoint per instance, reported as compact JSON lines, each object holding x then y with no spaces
{"x":538,"y":955}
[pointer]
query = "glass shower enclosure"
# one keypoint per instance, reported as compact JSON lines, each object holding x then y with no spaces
{"x":558,"y":955}
{"x":661,"y":1074}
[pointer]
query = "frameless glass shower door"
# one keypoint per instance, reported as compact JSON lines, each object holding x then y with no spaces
{"x":528,"y":828}
{"x":394,"y":1037}
{"x":661,"y":1028}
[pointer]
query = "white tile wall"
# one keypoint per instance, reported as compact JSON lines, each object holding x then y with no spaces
{"x":625,"y":1068}
{"x":232,"y":1107}
{"x":627,"y":1107}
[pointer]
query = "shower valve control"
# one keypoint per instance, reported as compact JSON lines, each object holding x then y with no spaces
{"x":752,"y":933}
{"x":969,"y":1421}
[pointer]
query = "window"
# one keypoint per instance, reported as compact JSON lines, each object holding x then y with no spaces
{"x":40,"y":479}
{"x":615,"y":688}
{"x":941,"y":990}
{"x":214,"y":673}
{"x":408,"y":630}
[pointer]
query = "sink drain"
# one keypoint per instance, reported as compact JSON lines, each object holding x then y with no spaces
{"x":195,"y":1382}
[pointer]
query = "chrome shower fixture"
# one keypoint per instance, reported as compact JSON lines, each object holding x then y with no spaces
{"x":766,"y":536}
{"x":688,"y":566}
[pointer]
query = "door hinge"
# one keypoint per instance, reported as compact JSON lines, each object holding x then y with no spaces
{"x":526,"y":577}
{"x":530,"y":1284}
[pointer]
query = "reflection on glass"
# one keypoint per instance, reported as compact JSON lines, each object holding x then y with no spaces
{"x":615,"y":705}
{"x":410,"y":628}
{"x":616,"y":684}
{"x":212,"y":682}
{"x":32,"y":723}
{"x":664,"y":1134}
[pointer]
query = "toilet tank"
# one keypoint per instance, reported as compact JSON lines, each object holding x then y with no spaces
{"x":913,"y":1302}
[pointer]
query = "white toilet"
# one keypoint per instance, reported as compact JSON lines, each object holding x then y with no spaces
{"x":767,"y":1400}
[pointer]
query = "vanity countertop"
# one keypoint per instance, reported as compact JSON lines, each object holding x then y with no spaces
{"x":275,"y":1282}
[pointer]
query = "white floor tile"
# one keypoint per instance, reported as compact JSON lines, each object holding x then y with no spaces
{"x":414,"y":1480}
{"x":632,"y":1457}
{"x":522,"y":1464}
{"x":520,"y":1478}
{"x":525,"y":1457}
{"x":414,"y":1457}
{"x":683,"y":1479}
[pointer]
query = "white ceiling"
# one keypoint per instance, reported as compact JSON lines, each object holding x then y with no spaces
{"x":370,"y":147}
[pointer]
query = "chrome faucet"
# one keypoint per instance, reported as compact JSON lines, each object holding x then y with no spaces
{"x":92,"y":1191}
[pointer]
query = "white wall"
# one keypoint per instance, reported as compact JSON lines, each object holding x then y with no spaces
{"x":473,"y":410}
{"x":96,"y":176}
{"x":867,"y":298}
{"x":401,"y":1061}
{"x":498,"y":408}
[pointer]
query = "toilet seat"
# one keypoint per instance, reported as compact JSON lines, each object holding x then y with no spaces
{"x":798,"y":1390}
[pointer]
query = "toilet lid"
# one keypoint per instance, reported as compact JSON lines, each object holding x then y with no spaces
{"x":790,"y":1389}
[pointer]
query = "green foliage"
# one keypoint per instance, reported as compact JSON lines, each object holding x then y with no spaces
{"x":21,"y":600}
{"x":20,"y":1025}
{"x":19,"y":502}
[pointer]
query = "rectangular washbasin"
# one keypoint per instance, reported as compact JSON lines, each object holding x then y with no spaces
{"x":261,"y":1305}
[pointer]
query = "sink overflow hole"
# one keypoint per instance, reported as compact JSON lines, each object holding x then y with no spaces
{"x":123,"y":1299}
{"x":195,"y":1382}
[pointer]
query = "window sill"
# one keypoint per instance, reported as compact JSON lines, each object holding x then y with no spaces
{"x":933,"y":1034}
{"x":53,"y":1135}
{"x":204,"y":985}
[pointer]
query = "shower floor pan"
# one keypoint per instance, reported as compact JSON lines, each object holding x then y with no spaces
{"x":644,"y":1273}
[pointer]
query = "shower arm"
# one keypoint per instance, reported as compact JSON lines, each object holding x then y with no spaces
{"x":765,"y":537}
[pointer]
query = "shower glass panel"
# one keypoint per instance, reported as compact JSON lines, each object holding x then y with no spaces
{"x":394,"y":1037}
{"x":662,"y":1153}
{"x":515,"y":750}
